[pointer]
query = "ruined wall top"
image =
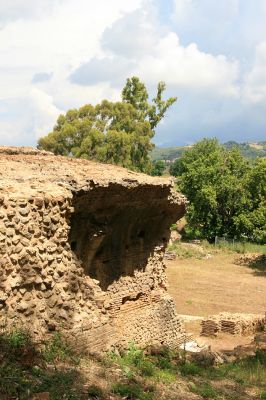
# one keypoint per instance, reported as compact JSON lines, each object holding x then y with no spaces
{"x":26,"y":171}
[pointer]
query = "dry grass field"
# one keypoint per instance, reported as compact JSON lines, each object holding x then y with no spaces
{"x":202,"y":287}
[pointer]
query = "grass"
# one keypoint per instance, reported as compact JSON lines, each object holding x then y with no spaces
{"x":205,"y":390}
{"x":249,"y":371}
{"x":132,"y":391}
{"x":57,"y":349}
{"x":133,"y":374}
{"x":25,"y":368}
{"x":186,"y":250}
{"x":242,"y":247}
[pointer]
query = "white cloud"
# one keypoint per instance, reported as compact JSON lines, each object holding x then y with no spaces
{"x":43,"y":43}
{"x":185,"y":10}
{"x":43,"y":112}
{"x":255,"y":80}
{"x":21,"y":9}
{"x":182,"y":8}
{"x":189,"y":67}
{"x":133,"y":35}
{"x":54,"y":36}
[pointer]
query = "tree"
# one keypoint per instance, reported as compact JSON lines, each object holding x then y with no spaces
{"x":112,"y":132}
{"x":252,"y":221}
{"x":135,"y":93}
{"x":216,"y":182}
{"x":158,"y":168}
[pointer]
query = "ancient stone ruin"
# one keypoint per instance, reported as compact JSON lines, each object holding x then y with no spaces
{"x":234,"y":324}
{"x":81,"y":250}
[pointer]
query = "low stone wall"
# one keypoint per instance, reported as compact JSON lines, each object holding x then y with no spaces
{"x":81,"y":250}
{"x":234,"y":324}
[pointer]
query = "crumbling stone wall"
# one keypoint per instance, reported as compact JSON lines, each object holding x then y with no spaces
{"x":81,"y":250}
{"x":234,"y":324}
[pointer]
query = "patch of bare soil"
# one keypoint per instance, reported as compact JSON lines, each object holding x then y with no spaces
{"x":202,"y":287}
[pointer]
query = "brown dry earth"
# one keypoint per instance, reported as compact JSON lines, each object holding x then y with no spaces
{"x":210,"y":286}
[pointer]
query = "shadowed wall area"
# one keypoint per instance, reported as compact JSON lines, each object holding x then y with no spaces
{"x":114,"y":232}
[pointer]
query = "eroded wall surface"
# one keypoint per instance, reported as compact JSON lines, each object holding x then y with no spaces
{"x":81,"y":250}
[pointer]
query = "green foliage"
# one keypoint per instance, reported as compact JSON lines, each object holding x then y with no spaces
{"x":248,"y":150}
{"x":167,"y":153}
{"x":205,"y":390}
{"x":186,"y":250}
{"x":248,"y":371}
{"x":190,"y":369}
{"x":16,"y":339}
{"x":57,"y":349}
{"x":132,"y":391}
{"x":112,"y":132}
{"x":242,"y":247}
{"x":59,"y":384}
{"x":226,"y":192}
{"x":23,"y":370}
{"x":158,"y":168}
{"x":95,"y":392}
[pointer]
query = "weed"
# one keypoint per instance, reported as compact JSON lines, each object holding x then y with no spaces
{"x":186,"y":250}
{"x":263,"y":395}
{"x":190,"y":369}
{"x":18,"y":338}
{"x":242,"y":247}
{"x":250,"y":370}
{"x":132,"y":391}
{"x":95,"y":392}
{"x":205,"y":390}
{"x":59,"y":384}
{"x":146,"y":368}
{"x":165,"y":376}
{"x":57,"y":349}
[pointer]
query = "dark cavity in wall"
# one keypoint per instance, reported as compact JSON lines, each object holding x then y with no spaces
{"x":114,"y":229}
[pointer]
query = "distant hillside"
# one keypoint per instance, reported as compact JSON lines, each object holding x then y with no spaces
{"x":248,"y":149}
{"x":167,"y":153}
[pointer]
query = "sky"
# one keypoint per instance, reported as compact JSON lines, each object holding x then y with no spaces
{"x":62,"y":54}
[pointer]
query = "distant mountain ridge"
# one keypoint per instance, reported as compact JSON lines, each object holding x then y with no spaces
{"x":249,"y":150}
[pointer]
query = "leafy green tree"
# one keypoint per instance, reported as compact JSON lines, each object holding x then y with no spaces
{"x":217,"y":183}
{"x":135,"y":93}
{"x":158,"y":168}
{"x":252,"y":221}
{"x":112,"y":132}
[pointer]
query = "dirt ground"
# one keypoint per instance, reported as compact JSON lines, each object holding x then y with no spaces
{"x":210,"y":286}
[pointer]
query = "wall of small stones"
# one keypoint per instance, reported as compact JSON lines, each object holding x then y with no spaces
{"x":234,"y":324}
{"x":45,"y":286}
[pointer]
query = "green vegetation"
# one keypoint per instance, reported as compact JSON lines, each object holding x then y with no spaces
{"x":134,"y":374}
{"x":25,"y":369}
{"x":167,"y":153}
{"x":112,"y":132}
{"x":132,"y":391}
{"x":187,"y":250}
{"x":205,"y":390}
{"x":158,"y":168}
{"x":248,"y":150}
{"x":227,"y":194}
{"x":242,"y":247}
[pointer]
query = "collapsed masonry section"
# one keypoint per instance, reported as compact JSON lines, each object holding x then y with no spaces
{"x":84,"y":254}
{"x":115,"y":230}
